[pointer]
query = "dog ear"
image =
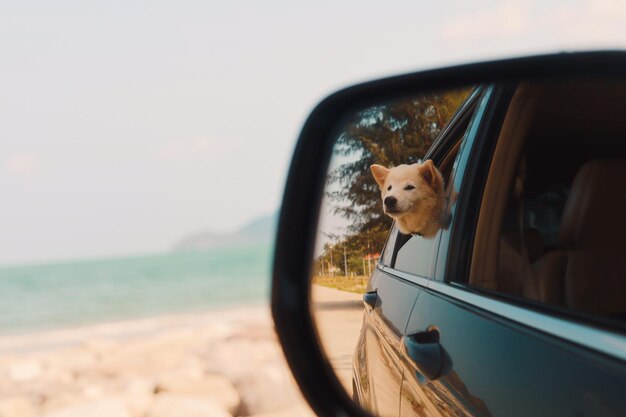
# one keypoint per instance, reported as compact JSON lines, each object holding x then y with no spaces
{"x":431,"y":175}
{"x":380,"y":174}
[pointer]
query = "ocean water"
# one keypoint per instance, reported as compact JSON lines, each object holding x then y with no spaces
{"x":42,"y":297}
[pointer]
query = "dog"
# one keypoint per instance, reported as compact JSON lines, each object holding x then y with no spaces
{"x":413,"y":195}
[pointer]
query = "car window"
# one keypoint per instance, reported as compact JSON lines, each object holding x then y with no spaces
{"x":417,"y":254}
{"x":552,"y":228}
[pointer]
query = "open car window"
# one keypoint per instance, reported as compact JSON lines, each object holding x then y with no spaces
{"x":552,"y":223}
{"x":416,"y":254}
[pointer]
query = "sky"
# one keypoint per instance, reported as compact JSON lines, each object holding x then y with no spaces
{"x":127,"y":125}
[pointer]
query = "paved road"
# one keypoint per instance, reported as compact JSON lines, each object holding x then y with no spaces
{"x":338,"y":315}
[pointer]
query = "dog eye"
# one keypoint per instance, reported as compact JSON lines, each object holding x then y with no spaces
{"x":389,"y":188}
{"x":409,"y":187}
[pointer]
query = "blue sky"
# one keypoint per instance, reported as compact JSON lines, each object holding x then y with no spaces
{"x":127,"y":125}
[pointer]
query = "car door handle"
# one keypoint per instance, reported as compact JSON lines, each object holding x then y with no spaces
{"x":369,"y":299}
{"x":424,"y":353}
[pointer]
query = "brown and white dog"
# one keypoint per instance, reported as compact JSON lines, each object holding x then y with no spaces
{"x":413,"y":195}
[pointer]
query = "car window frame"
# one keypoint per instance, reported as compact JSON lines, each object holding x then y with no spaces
{"x":469,"y":179}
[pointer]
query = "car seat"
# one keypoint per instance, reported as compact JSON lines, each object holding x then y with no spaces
{"x":587,"y":272}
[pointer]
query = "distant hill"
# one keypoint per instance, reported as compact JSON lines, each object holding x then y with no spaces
{"x":260,"y":230}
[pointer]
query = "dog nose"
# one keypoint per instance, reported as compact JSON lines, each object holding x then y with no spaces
{"x":390,"y":201}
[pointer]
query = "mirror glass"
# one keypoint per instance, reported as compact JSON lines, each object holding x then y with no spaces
{"x":378,"y":175}
{"x":555,"y":182}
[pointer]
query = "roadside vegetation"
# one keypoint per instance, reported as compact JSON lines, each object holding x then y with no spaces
{"x":354,"y":284}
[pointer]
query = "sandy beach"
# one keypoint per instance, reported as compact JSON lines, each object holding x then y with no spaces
{"x":219,"y":363}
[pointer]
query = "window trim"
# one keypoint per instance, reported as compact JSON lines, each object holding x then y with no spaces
{"x":406,"y":276}
{"x":453,"y":129}
{"x":455,"y":253}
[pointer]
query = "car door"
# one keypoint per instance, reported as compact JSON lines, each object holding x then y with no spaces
{"x":388,"y":302}
{"x":406,"y":265}
{"x":472,"y":351}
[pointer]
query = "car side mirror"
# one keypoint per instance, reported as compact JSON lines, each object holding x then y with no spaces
{"x":345,"y":150}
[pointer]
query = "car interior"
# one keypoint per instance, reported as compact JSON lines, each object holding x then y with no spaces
{"x":552,"y":224}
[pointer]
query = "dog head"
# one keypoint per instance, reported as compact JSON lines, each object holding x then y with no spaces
{"x":407,"y":190}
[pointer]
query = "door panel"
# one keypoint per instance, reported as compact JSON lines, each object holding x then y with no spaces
{"x":499,"y":368}
{"x":378,"y":349}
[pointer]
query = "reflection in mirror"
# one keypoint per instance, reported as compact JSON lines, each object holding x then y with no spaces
{"x":549,"y":229}
{"x":378,"y":178}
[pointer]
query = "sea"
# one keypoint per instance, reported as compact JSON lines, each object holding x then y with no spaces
{"x":77,"y":293}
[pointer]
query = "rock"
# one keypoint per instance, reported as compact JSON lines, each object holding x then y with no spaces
{"x":93,"y":391}
{"x":25,"y":370}
{"x":178,"y":405}
{"x":138,"y":394}
{"x":268,"y":390}
{"x":262,"y":380}
{"x":57,"y":376}
{"x":140,"y":362}
{"x":111,"y":407}
{"x":73,"y":361}
{"x":216,"y":387}
{"x":59,"y":400}
{"x":224,"y":357}
{"x":18,"y":406}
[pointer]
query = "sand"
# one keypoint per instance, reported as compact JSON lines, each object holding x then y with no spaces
{"x":220,"y":363}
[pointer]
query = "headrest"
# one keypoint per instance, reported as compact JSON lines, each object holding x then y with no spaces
{"x":595,"y":212}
